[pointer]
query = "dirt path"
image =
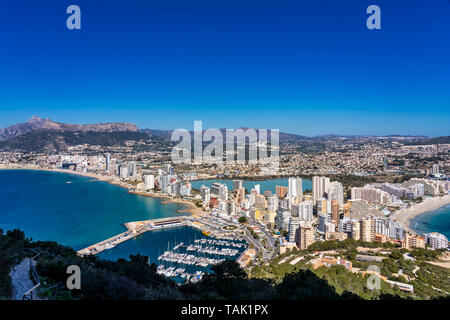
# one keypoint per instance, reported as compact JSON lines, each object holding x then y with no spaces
{"x":20,"y":279}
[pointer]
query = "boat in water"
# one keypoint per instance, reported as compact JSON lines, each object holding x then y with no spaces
{"x":206,"y":233}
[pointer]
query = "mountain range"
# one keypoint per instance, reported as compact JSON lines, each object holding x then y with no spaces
{"x":36,"y":123}
{"x":44,"y":134}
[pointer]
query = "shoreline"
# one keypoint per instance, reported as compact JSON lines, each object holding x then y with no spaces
{"x":190,"y":207}
{"x":405,"y":215}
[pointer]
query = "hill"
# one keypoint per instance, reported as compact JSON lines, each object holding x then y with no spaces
{"x":44,"y":140}
{"x":36,"y":123}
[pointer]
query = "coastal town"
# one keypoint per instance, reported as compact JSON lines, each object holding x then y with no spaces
{"x":271,"y":222}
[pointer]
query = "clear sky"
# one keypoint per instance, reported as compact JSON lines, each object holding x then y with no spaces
{"x":308,"y":67}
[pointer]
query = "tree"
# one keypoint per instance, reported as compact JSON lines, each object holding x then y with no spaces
{"x":242,"y":219}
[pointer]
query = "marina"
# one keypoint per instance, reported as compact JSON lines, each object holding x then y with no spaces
{"x":188,"y":262}
{"x":134,"y":229}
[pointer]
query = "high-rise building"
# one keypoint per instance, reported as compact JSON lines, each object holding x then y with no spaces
{"x":260,"y":201}
{"x":272,"y":203}
{"x":205,"y":193}
{"x":371,"y":195}
{"x":281,"y":192}
{"x":303,"y":210}
{"x":367,"y":229}
{"x":294,"y":225}
{"x":220,"y":190}
{"x":149,"y":181}
{"x":436,"y":240}
{"x":282,"y":219}
{"x":240,"y":195}
{"x":320,"y":187}
{"x":185,"y":188}
{"x":165,"y":182}
{"x":107,"y":161}
{"x":238,"y":184}
{"x":323,"y":219}
{"x":322,"y":206}
{"x":295,"y":188}
{"x":336,"y":192}
{"x":133,"y":169}
{"x":335,"y":212}
{"x":223,"y":193}
{"x":356,"y":229}
{"x":231,"y":208}
{"x":123,"y":171}
{"x":306,"y":237}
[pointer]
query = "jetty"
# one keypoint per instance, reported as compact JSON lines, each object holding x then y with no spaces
{"x":135,"y":229}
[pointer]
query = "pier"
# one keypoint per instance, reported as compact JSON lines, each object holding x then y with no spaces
{"x":135,"y":229}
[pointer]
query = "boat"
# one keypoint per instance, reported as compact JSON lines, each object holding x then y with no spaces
{"x":206,"y":233}
{"x":109,"y":246}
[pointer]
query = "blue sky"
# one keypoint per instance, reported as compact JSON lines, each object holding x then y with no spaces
{"x":307,"y":67}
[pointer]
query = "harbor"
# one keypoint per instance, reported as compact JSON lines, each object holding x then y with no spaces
{"x":185,"y":261}
{"x":134,"y":229}
{"x":188,"y":262}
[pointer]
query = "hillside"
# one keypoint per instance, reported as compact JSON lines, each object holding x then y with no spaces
{"x":36,"y":124}
{"x":136,"y":279}
{"x":45,"y":140}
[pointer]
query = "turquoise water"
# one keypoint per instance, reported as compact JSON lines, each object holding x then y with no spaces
{"x":437,"y":220}
{"x":153,"y":244}
{"x":266,"y":185}
{"x":78,"y":214}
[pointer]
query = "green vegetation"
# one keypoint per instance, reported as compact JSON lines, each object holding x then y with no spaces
{"x":254,"y":235}
{"x":136,"y":279}
{"x":12,"y":250}
{"x":429,"y":281}
{"x":347,"y":244}
{"x":59,"y":140}
{"x":242,"y":219}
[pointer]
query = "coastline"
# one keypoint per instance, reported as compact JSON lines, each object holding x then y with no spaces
{"x":190,"y":207}
{"x":405,"y":215}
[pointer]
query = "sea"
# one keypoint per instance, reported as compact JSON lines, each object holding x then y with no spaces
{"x":79,"y":211}
{"x":265,"y":185}
{"x":433,"y":221}
{"x":74,"y":210}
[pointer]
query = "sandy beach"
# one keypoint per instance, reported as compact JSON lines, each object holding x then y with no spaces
{"x":404,"y":216}
{"x":36,"y":168}
{"x":191,"y":208}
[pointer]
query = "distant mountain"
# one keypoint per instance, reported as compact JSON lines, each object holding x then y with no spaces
{"x":283,"y":137}
{"x":158,"y":133}
{"x":44,"y":134}
{"x":36,"y":123}
{"x":428,"y":141}
{"x":39,"y":134}
{"x":59,"y":140}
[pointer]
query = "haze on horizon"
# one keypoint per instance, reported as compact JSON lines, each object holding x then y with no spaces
{"x":309,"y":68}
